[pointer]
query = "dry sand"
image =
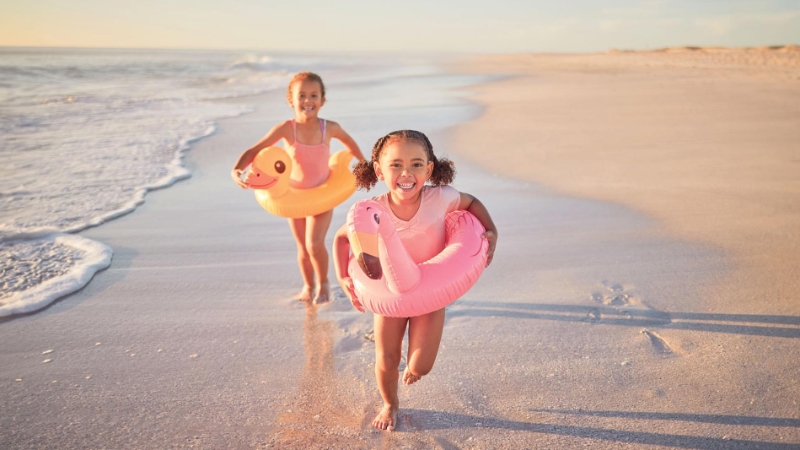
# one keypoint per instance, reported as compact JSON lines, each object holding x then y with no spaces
{"x":621,"y":310}
{"x":707,"y":142}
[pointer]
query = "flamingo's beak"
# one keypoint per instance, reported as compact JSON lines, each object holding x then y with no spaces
{"x":365,"y":250}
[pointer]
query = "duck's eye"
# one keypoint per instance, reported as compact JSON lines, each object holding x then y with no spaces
{"x":280,"y":167}
{"x":377,"y":219}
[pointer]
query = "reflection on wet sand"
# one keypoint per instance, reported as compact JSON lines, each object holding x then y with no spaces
{"x":326,"y":411}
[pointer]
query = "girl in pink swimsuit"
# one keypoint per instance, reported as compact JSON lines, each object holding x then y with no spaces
{"x":307,"y":140}
{"x":404,"y":160}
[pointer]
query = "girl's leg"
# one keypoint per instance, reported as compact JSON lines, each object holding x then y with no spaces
{"x":316,"y":229}
{"x":424,"y":336}
{"x":298,"y":227}
{"x":389,"y":333}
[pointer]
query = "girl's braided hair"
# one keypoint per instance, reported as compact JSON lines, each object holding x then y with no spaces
{"x":303,"y":76}
{"x":443,"y":169}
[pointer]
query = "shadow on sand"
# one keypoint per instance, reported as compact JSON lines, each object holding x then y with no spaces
{"x":745,"y":324}
{"x":700,"y":418}
{"x":422,"y":420}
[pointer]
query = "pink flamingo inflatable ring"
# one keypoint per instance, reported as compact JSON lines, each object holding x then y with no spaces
{"x":389,"y":283}
{"x":269,"y":176}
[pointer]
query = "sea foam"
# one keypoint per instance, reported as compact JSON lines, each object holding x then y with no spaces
{"x":84,"y":135}
{"x":44,"y":269}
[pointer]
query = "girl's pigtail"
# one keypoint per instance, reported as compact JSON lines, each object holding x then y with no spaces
{"x":365,"y":175}
{"x":365,"y":170}
{"x":444,"y":171}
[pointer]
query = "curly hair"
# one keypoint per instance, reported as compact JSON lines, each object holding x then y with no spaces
{"x":303,"y":76}
{"x":444,"y":171}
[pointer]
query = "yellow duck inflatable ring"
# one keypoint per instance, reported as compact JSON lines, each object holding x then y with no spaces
{"x":269,"y":176}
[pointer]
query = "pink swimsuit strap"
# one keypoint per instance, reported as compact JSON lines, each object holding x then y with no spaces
{"x":321,"y":126}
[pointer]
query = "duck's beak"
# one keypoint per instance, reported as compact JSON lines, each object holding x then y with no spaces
{"x":365,"y":250}
{"x":256,"y":179}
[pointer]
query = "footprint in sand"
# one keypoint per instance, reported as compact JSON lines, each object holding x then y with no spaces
{"x":659,"y":344}
{"x":623,"y":300}
{"x":593,"y":316}
{"x":614,"y":295}
{"x":626,"y":302}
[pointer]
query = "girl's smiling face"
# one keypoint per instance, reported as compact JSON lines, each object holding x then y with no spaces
{"x":307,"y":98}
{"x":405,"y":168}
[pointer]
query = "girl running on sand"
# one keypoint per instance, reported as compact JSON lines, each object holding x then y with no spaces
{"x":307,"y":140}
{"x":404,"y":160}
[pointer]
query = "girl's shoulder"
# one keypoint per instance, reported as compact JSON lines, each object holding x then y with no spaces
{"x":284,"y":128}
{"x":446,"y":196}
{"x":334,"y":128}
{"x":331,"y":125}
{"x":382,"y":198}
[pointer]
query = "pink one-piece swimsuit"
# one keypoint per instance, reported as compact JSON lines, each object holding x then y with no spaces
{"x":310,"y":168}
{"x":424,"y":234}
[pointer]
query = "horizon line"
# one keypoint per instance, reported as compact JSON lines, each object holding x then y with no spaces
{"x":458,"y":52}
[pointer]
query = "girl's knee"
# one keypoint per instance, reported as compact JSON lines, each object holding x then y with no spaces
{"x":386,"y":362}
{"x":420,"y":369}
{"x":302,"y":253}
{"x":316,"y":249}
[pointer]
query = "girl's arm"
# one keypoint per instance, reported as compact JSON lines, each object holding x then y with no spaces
{"x":341,"y":257}
{"x":277,"y":133}
{"x":473,"y":205}
{"x":336,"y":131}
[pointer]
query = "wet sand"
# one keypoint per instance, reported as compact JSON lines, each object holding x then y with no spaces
{"x":600,"y":323}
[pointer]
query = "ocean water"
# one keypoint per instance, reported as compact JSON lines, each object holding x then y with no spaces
{"x":85,"y":133}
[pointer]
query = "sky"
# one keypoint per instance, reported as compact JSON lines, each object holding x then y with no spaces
{"x":484,"y":26}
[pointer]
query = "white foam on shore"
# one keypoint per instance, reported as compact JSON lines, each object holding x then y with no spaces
{"x":57,"y":264}
{"x":66,"y":263}
{"x":84,"y":135}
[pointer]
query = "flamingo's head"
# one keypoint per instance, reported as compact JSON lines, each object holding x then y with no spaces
{"x":363,"y":222}
{"x":270,"y":170}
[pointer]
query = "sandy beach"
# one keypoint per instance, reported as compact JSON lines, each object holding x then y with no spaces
{"x":643,"y":292}
{"x":704,"y":141}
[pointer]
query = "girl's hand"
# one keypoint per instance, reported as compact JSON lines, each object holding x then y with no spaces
{"x":236,"y":174}
{"x":350,"y":291}
{"x":491,"y":236}
{"x":473,"y":205}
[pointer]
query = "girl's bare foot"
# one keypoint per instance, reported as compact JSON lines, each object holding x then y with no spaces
{"x":305,"y":294}
{"x":410,"y":378}
{"x":386,"y":418}
{"x":324,"y":294}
